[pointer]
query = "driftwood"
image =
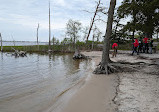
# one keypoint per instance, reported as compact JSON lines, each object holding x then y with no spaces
{"x":18,"y":53}
{"x":78,"y":55}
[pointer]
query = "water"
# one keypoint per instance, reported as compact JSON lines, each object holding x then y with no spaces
{"x":23,"y":43}
{"x":32,"y":83}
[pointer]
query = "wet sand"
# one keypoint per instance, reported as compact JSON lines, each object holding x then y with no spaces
{"x":136,"y":91}
{"x":97,"y":93}
{"x":95,"y":96}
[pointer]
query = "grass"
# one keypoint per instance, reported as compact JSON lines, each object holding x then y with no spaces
{"x":62,"y":48}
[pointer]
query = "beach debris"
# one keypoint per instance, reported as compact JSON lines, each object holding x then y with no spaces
{"x":18,"y":53}
{"x":78,"y":55}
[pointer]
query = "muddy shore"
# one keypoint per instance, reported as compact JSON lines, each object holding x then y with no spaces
{"x":134,"y":91}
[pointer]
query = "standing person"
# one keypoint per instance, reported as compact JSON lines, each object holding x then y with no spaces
{"x":146,"y":46}
{"x":140,"y":49}
{"x":114,"y":47}
{"x":151,"y":45}
{"x":135,"y":46}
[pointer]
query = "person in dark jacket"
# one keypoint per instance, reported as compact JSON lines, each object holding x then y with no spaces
{"x":151,"y":45}
{"x":140,"y":49}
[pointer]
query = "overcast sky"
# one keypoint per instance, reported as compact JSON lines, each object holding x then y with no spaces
{"x":19,"y":18}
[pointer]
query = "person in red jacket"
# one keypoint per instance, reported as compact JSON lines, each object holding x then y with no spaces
{"x":146,"y":46}
{"x":114,"y":47}
{"x":135,"y":46}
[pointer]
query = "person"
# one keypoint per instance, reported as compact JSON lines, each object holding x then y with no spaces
{"x":151,"y":45}
{"x":135,"y":46}
{"x":114,"y":47}
{"x":146,"y":46}
{"x":140,"y":49}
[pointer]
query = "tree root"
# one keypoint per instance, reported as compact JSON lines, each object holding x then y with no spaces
{"x":116,"y":67}
{"x":110,"y":68}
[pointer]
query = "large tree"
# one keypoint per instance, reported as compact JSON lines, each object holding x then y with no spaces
{"x":129,"y":8}
{"x":143,"y":13}
{"x":104,"y":67}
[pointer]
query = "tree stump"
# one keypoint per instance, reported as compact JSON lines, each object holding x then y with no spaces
{"x":78,"y":55}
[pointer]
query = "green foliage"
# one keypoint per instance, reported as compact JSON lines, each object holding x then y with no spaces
{"x":144,"y":15}
{"x":66,"y":41}
{"x":78,"y":43}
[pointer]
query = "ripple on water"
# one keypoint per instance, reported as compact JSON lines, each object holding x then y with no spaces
{"x":30,"y":84}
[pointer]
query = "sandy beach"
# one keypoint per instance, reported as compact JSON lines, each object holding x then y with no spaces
{"x":120,"y":92}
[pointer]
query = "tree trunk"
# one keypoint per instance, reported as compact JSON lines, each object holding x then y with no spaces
{"x":157,"y":36}
{"x":105,"y":56}
{"x":133,"y":35}
{"x":134,"y":22}
{"x":93,"y":42}
{"x":49,"y":30}
{"x":53,"y":42}
{"x":74,"y":42}
{"x":93,"y":20}
{"x":38,"y":37}
{"x":1,"y":43}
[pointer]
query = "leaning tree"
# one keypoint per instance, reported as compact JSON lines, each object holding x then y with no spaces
{"x":104,"y":67}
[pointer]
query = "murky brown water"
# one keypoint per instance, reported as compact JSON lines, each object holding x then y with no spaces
{"x":31,"y":84}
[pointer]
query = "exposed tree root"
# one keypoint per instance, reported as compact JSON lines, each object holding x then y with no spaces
{"x":116,"y":67}
{"x":110,"y":68}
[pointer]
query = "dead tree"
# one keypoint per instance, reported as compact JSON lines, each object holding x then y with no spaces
{"x":94,"y":31}
{"x":49,"y":50}
{"x":18,"y":53}
{"x":38,"y":36}
{"x":92,"y":22}
{"x":53,"y":43}
{"x":104,"y":67}
{"x":1,"y":43}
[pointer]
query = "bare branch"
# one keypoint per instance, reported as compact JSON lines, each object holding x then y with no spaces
{"x":87,"y":11}
{"x":100,"y":20}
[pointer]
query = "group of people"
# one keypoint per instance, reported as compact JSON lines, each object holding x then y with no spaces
{"x":144,"y":45}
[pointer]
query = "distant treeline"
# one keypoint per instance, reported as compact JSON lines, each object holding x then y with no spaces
{"x":123,"y":45}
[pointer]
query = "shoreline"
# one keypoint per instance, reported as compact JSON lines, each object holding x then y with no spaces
{"x":97,"y":93}
{"x":110,"y":93}
{"x":103,"y":93}
{"x":95,"y":96}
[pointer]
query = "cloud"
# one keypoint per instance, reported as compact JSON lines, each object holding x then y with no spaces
{"x":61,"y":2}
{"x":24,"y":15}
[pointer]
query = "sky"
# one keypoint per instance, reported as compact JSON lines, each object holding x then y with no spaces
{"x":19,"y":18}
